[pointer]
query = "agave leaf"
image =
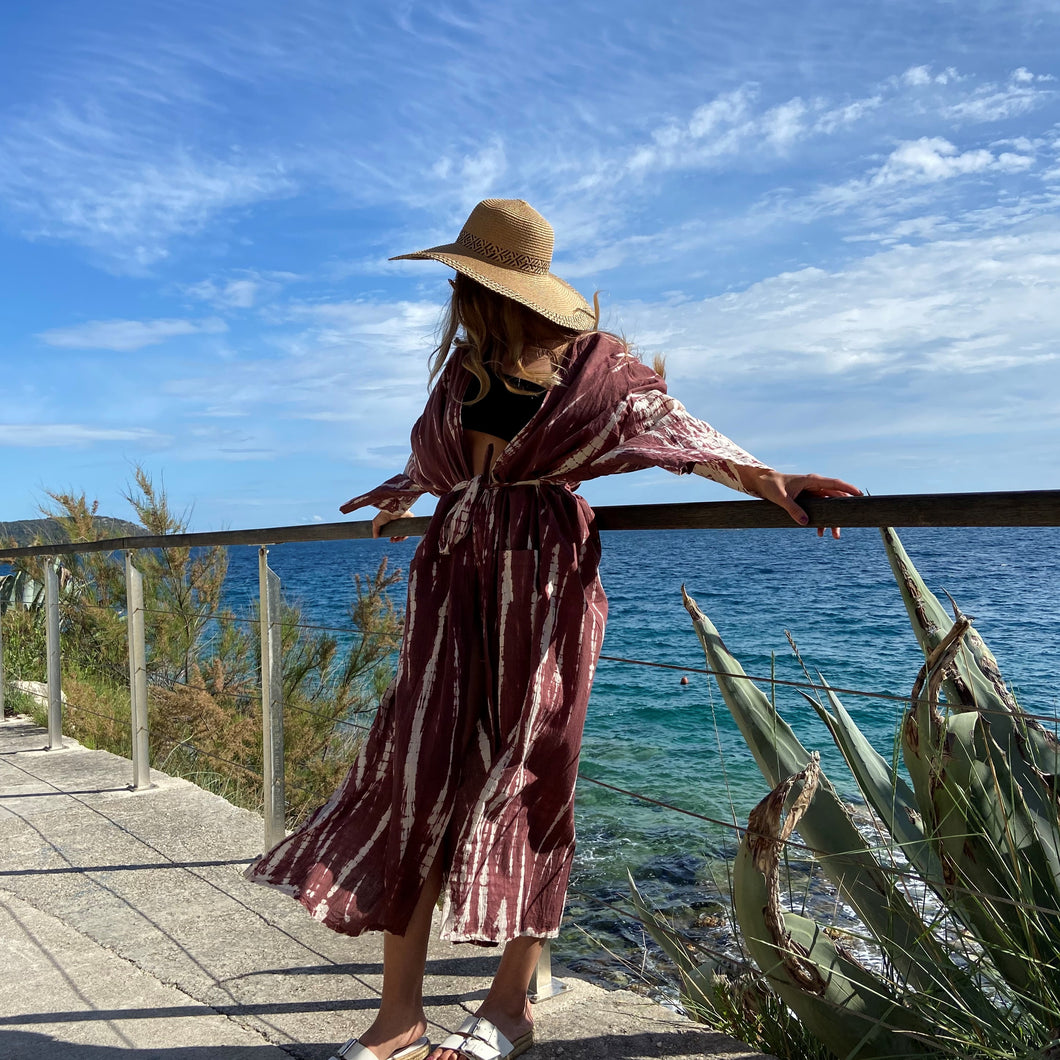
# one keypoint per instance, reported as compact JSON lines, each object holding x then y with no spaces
{"x":998,"y":852}
{"x":1003,"y":883}
{"x":976,"y":684}
{"x":884,"y":789}
{"x":829,"y":831}
{"x":20,"y":591}
{"x":852,"y":1011}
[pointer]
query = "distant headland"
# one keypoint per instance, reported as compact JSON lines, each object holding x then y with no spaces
{"x":51,"y":531}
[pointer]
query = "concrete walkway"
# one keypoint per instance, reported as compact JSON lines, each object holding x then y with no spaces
{"x":127,"y":929}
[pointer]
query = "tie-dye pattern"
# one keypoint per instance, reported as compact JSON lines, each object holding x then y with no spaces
{"x":473,"y":755}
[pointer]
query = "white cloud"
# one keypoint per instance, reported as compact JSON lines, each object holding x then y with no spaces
{"x":242,"y":290}
{"x":46,"y":435}
{"x":715,"y":130}
{"x":935,"y":158}
{"x":359,"y":363}
{"x":738,"y":131}
{"x":921,"y":76}
{"x":833,"y":119}
{"x":476,"y":175}
{"x":917,"y":75}
{"x":126,"y":336}
{"x":230,"y":294}
{"x":784,"y":125}
{"x":913,"y":174}
{"x":990,"y":103}
{"x":972,"y":305}
{"x":728,"y":109}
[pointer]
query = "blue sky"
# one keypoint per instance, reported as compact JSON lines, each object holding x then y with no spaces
{"x":838,"y":220}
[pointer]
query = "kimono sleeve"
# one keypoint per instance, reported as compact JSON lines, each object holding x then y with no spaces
{"x":675,"y":439}
{"x":394,"y":496}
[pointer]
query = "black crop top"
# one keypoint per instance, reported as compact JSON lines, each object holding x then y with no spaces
{"x":500,"y":412}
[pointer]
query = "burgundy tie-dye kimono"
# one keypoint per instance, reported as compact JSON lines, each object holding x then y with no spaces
{"x":474,"y":753}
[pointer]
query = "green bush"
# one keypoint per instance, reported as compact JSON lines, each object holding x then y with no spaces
{"x":203,"y":660}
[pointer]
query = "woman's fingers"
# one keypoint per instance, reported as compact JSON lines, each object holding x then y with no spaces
{"x":824,"y":487}
{"x":829,"y":487}
{"x":384,"y":518}
{"x":783,"y":489}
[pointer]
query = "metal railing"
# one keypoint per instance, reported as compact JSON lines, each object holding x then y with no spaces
{"x":1039,"y":508}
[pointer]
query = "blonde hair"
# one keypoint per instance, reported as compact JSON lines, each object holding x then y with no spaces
{"x":483,"y":327}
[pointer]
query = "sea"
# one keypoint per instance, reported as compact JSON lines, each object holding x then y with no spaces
{"x":675,"y":743}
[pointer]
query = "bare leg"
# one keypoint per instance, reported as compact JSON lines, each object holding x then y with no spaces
{"x":401,"y":1019}
{"x":506,"y":1005}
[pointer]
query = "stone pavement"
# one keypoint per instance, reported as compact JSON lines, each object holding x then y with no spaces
{"x":127,"y":930}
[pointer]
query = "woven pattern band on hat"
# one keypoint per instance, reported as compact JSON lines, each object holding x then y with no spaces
{"x":509,"y":259}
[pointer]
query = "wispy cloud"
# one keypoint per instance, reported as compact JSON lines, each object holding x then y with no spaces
{"x":475,"y":174}
{"x":242,"y":290}
{"x":912,"y":165}
{"x":737,"y":124}
{"x":74,"y":435}
{"x":974,"y":305}
{"x":85,"y":174}
{"x":127,"y":336}
{"x":998,"y":102}
{"x":360,"y":363}
{"x":934,"y":158}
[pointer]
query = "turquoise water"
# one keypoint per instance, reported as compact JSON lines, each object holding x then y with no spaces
{"x":648,"y":733}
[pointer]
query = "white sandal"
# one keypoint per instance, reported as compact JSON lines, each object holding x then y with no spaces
{"x":354,"y":1050}
{"x":478,"y":1039}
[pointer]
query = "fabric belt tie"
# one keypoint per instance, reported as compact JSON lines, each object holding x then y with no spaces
{"x":457,"y":522}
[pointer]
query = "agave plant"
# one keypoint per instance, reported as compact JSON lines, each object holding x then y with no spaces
{"x":21,"y":591}
{"x":976,"y":972}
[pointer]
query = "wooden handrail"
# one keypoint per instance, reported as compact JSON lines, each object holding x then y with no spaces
{"x":1021,"y":508}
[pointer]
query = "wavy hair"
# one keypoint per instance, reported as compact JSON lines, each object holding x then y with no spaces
{"x":482,"y":327}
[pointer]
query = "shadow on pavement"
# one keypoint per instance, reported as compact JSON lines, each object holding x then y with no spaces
{"x":27,"y":1045}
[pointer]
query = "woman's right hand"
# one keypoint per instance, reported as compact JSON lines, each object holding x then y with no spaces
{"x":782,"y":490}
{"x":382,"y":518}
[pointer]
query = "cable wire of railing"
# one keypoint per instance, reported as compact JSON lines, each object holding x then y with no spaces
{"x":96,"y":714}
{"x":740,"y":830}
{"x":640,"y":796}
{"x":245,"y":620}
{"x":772,"y":680}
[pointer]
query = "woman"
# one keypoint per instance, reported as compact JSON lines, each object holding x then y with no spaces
{"x":465,"y":785}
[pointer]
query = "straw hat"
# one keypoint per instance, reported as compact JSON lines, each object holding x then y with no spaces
{"x":507,"y":246}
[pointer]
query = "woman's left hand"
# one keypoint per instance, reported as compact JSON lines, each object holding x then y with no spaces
{"x":782,"y":490}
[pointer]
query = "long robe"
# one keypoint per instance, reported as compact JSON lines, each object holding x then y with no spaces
{"x":473,"y":755}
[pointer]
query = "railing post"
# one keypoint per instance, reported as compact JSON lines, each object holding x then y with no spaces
{"x":3,"y":676}
{"x":271,"y":700}
{"x":542,"y":985}
{"x":55,"y":683}
{"x":134,"y":629}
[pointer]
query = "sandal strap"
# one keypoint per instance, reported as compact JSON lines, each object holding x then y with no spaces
{"x":355,"y":1050}
{"x":479,"y":1039}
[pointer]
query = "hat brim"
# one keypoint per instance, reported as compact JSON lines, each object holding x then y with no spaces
{"x":544,"y":293}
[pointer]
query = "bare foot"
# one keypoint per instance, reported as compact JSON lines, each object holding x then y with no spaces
{"x":388,"y":1034}
{"x":512,"y":1025}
